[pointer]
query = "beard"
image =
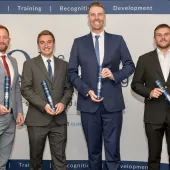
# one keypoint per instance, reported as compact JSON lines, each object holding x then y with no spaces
{"x":163,"y":46}
{"x":3,"y":47}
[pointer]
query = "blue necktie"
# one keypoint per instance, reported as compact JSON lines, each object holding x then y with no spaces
{"x":99,"y":80}
{"x":50,"y":69}
{"x":97,"y":48}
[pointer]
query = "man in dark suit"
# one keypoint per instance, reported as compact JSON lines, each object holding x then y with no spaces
{"x":41,"y":119}
{"x":153,"y":66}
{"x":99,"y":55}
{"x":8,"y":117}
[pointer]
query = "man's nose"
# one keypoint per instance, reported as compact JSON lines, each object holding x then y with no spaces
{"x":96,"y":16}
{"x":46,"y":44}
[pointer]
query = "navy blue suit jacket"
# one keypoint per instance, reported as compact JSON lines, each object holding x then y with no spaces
{"x":83,"y":55}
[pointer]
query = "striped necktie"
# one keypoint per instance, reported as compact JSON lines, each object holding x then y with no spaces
{"x":99,"y":80}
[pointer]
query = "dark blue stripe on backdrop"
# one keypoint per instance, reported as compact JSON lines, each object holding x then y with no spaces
{"x":80,"y":7}
{"x":80,"y":165}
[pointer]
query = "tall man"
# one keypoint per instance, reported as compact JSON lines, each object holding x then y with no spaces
{"x":101,"y":117}
{"x":8,"y":67}
{"x":41,"y":120}
{"x":152,"y":66}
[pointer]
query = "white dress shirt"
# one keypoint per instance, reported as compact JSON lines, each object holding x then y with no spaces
{"x":164,"y":62}
{"x":11,"y":69}
{"x":101,"y":45}
{"x":46,"y":63}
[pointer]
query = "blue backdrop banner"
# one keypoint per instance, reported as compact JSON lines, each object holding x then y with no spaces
{"x":80,"y":7}
{"x":80,"y":165}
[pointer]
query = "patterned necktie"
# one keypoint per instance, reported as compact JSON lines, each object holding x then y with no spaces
{"x":50,"y":69}
{"x":6,"y":66}
{"x":97,"y":48}
{"x":99,"y":80}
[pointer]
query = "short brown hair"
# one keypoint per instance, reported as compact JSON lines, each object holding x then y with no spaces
{"x":160,"y":26}
{"x":97,"y":4}
{"x":5,"y":28}
{"x":45,"y":32}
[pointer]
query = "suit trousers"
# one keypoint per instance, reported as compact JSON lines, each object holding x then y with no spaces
{"x":57,"y":135}
{"x":99,"y":126}
{"x":155,"y":133}
{"x":7,"y":134}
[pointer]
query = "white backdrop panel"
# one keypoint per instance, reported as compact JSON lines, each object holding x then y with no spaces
{"x":137,"y":31}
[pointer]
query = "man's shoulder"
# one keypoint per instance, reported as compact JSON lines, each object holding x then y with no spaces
{"x":13,"y":60}
{"x":31,"y":60}
{"x":105,"y":33}
{"x":11,"y":57}
{"x":82,"y":37}
{"x":86,"y":37}
{"x":146,"y":55}
{"x":114,"y":36}
{"x":61,"y":61}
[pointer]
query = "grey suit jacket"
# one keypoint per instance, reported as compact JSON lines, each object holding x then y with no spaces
{"x":15,"y":94}
{"x":34,"y":72}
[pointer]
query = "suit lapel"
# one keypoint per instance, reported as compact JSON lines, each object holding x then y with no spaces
{"x":106,"y":47}
{"x":41,"y":65}
{"x":155,"y":59}
{"x":15,"y":71}
{"x":3,"y":71}
{"x":91,"y":50}
{"x":2,"y":67}
{"x":168,"y":79}
{"x":57,"y":69}
{"x":90,"y":46}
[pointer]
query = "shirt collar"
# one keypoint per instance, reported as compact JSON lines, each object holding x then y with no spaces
{"x":160,"y":52}
{"x":3,"y":54}
{"x":45,"y":58}
{"x":101,"y":34}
